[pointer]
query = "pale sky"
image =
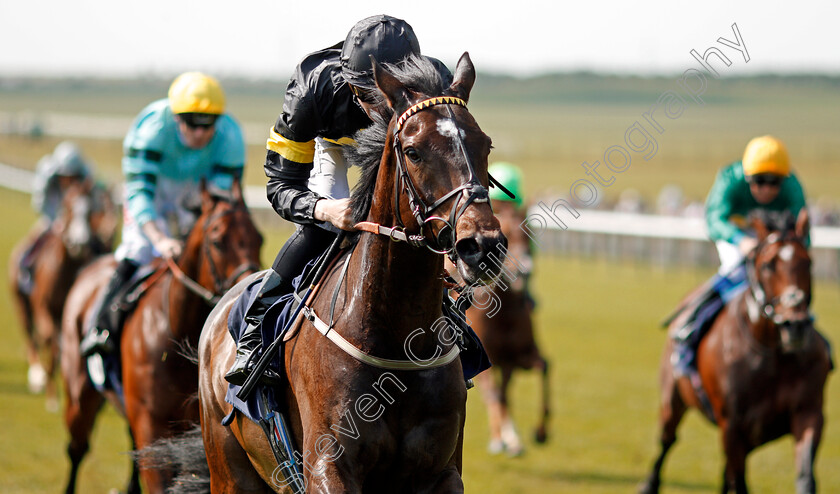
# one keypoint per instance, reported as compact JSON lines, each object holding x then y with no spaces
{"x":266,"y":38}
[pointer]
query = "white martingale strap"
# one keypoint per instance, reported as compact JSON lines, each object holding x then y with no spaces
{"x":383,"y":363}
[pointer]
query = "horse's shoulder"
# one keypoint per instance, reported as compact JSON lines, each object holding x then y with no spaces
{"x":219,"y":314}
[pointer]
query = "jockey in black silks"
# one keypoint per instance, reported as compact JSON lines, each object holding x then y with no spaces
{"x":307,"y":173}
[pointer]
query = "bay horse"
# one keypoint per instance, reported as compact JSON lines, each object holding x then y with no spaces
{"x":501,"y":315}
{"x":763,"y":365}
{"x":362,"y":417}
{"x":84,"y":229}
{"x":159,"y":380}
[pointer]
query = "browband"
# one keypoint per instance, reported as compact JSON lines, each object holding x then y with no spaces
{"x":438,"y":100}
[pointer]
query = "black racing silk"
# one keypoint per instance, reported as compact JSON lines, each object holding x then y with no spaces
{"x":318,"y":103}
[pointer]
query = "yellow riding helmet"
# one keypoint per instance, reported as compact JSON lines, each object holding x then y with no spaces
{"x":766,"y":154}
{"x":194,"y":92}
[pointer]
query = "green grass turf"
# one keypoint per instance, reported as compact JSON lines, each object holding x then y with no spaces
{"x":597,"y":323}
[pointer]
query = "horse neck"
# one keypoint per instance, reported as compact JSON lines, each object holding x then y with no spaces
{"x":54,"y":251}
{"x":402,"y":285}
{"x":187,"y":310}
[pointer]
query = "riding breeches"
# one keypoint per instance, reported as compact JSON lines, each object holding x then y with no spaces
{"x":730,"y":256}
{"x":305,"y":244}
{"x":328,"y":177}
{"x":172,"y":215}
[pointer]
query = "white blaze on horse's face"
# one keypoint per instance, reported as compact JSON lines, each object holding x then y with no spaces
{"x":449,"y":129}
{"x":786,"y":253}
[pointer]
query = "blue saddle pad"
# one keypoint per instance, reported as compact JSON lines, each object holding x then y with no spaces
{"x":725,"y":289}
{"x":273,"y":324}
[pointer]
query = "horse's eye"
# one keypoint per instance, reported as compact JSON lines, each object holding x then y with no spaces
{"x":412,"y":155}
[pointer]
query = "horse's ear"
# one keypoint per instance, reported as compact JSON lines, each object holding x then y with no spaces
{"x":803,"y":223}
{"x":206,"y":197}
{"x":464,"y":77}
{"x":396,"y":95}
{"x":236,"y":190}
{"x":760,"y":227}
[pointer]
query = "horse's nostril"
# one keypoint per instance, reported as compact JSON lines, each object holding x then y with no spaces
{"x":468,"y":250}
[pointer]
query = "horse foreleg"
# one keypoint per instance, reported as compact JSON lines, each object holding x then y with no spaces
{"x":807,"y":432}
{"x":448,"y":482}
{"x":51,"y":344}
{"x":541,"y":433}
{"x":513,"y":445}
{"x":734,"y":447}
{"x":671,"y":413}
{"x":133,"y":486}
{"x":79,"y":417}
{"x":43,"y":336}
{"x":486,"y":382}
{"x":231,"y":470}
{"x":144,"y":431}
{"x":36,"y":377}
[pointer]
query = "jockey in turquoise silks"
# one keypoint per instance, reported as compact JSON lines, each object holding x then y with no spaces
{"x":172,"y":145}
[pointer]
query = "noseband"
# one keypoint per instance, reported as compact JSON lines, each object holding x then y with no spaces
{"x":471,"y":189}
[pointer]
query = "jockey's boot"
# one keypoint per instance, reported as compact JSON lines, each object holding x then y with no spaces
{"x":273,"y":287}
{"x":102,"y":339}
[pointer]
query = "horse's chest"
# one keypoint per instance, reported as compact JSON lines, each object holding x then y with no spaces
{"x":396,"y":425}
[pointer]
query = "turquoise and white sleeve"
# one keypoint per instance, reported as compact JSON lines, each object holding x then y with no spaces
{"x":229,"y":156}
{"x":142,"y":156}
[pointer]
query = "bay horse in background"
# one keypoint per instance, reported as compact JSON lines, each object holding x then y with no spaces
{"x":762,"y":364}
{"x":84,"y":229}
{"x":502,"y":318}
{"x":159,"y":380}
{"x":425,"y":163}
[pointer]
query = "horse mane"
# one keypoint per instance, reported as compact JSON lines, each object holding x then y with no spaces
{"x":417,"y":74}
{"x":776,"y":221}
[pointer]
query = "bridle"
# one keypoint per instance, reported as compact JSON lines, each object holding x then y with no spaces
{"x":767,"y":307}
{"x":423,"y":212}
{"x":220,"y":284}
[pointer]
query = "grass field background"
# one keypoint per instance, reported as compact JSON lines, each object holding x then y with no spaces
{"x":597,"y":321}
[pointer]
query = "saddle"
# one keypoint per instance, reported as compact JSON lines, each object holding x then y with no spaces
{"x":105,"y":371}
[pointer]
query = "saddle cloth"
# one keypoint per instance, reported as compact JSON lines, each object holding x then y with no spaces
{"x":273,"y":324}
{"x":105,"y":371}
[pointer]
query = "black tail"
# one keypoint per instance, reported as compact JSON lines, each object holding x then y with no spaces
{"x":183,"y":453}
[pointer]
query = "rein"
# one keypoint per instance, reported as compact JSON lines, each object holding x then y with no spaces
{"x":472,"y":188}
{"x":220,"y":285}
{"x":192,"y":285}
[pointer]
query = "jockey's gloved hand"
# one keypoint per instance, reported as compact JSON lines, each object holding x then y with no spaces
{"x":747,"y":244}
{"x":336,"y":212}
{"x":169,"y":248}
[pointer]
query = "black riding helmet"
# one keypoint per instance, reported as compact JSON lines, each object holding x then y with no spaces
{"x":387,"y":38}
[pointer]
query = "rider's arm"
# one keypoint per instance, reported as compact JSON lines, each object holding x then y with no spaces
{"x":719,"y":208}
{"x":291,"y":152}
{"x":41,"y":184}
{"x":143,"y":155}
{"x":169,"y":248}
{"x":228,"y":159}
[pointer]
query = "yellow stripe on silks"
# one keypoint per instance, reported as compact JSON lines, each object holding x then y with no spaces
{"x":299,"y":152}
{"x":344,"y":141}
